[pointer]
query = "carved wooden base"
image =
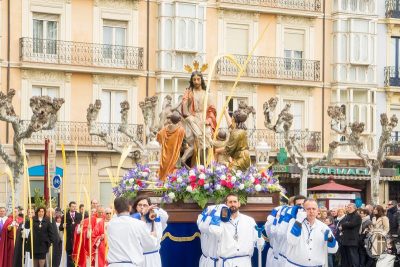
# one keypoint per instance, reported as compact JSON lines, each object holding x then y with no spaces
{"x":258,"y":207}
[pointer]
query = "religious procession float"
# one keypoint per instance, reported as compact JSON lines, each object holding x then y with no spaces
{"x":190,"y":162}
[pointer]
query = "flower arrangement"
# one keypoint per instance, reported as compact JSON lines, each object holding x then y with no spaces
{"x":135,"y":180}
{"x":201,"y":184}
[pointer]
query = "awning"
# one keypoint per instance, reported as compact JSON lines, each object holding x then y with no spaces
{"x":345,"y":177}
{"x":333,"y":186}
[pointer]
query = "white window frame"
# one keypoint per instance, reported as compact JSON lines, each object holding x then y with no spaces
{"x":114,"y":117}
{"x":309,"y":39}
{"x":60,"y":80}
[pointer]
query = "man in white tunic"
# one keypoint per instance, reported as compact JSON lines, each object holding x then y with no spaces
{"x":270,"y":230}
{"x":208,"y":241}
{"x":309,"y":240}
{"x":127,"y":238}
{"x":237,"y":237}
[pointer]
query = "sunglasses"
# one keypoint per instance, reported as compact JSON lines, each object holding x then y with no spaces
{"x":108,"y":213}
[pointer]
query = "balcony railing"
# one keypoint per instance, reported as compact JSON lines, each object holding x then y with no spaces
{"x":392,"y":76}
{"x":394,"y":150}
{"x":309,"y":141}
{"x":306,"y":5}
{"x":80,"y":54}
{"x":392,"y":9}
{"x":272,"y":68}
{"x":71,"y":133}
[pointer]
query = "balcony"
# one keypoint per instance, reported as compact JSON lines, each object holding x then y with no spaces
{"x":302,"y":5}
{"x":71,"y":133}
{"x":80,"y":54}
{"x":272,"y":68}
{"x":392,"y":77}
{"x":309,"y":141}
{"x":392,"y":9}
{"x":394,"y":150}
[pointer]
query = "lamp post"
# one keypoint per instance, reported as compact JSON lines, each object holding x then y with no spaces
{"x":153,"y":151}
{"x":262,"y":154}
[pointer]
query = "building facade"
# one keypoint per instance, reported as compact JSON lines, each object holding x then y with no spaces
{"x":306,"y":53}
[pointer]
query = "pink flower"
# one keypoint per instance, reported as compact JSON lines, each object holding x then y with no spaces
{"x":200,"y":182}
{"x":192,"y":178}
{"x":256,"y":181}
{"x":229,"y":185}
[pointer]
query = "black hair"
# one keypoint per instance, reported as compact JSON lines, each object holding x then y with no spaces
{"x":137,"y":200}
{"x":121,"y":204}
{"x":203,"y":83}
{"x":70,"y":203}
{"x":297,"y":197}
{"x":231,"y":195}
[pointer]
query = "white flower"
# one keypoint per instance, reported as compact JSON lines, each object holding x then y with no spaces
{"x":189,"y":188}
{"x":206,"y":186}
{"x":171,"y":195}
{"x":218,"y":187}
{"x":202,"y":176}
{"x":191,"y":173}
{"x":200,"y":167}
{"x":131,"y":181}
{"x":241,"y":186}
{"x":145,"y":174}
{"x":179,"y":180}
{"x":258,"y":187}
{"x":136,"y":187}
{"x":223,"y":177}
{"x":238,"y":172}
{"x":233,"y":179}
{"x":252,"y":179}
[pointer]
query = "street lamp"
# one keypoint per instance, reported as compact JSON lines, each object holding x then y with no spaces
{"x":262,"y":154}
{"x":153,"y":151}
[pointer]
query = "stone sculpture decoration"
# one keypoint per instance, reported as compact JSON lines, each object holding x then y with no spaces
{"x":283,"y":126}
{"x":351,"y":136}
{"x":92,"y":114}
{"x":44,"y":117}
{"x":148,"y":107}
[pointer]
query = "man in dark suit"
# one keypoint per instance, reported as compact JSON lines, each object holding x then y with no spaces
{"x":72,"y":220}
{"x":350,"y":227}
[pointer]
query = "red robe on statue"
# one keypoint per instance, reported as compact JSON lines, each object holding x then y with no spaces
{"x":99,"y":243}
{"x":7,"y":243}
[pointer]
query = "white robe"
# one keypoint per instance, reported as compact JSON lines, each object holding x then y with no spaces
{"x":270,"y":230}
{"x":308,"y":248}
{"x":152,"y":256}
{"x":208,"y":241}
{"x":236,"y":253}
{"x":127,"y":239}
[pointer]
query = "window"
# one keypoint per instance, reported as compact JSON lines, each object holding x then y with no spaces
{"x":237,"y":39}
{"x":110,"y":105}
{"x":189,"y":23}
{"x":297,"y":108}
{"x":114,"y":39}
{"x":105,"y":194}
{"x":45,"y":34}
{"x":294,"y":50}
{"x":43,"y":91}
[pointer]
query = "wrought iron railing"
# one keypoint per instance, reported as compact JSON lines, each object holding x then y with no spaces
{"x":392,"y":76}
{"x":71,"y":133}
{"x":272,"y":68}
{"x":392,"y":8}
{"x":309,"y":141}
{"x":80,"y":54}
{"x":395,"y":149}
{"x":306,"y":5}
